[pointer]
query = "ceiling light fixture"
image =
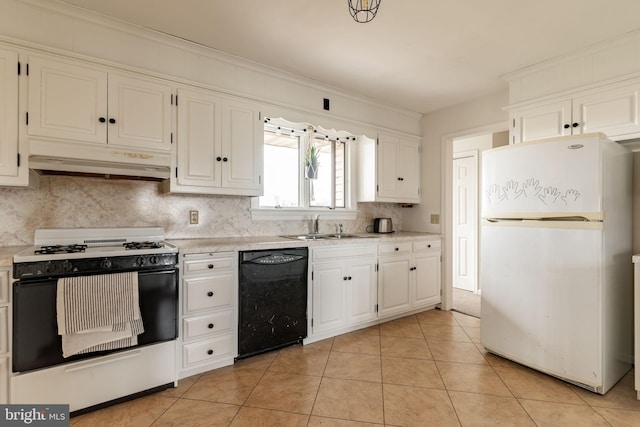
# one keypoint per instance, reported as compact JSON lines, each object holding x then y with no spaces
{"x":363,"y":10}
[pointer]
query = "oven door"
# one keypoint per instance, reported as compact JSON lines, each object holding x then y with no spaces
{"x":36,"y":343}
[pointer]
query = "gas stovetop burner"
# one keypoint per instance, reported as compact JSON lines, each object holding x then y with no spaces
{"x":60,"y":249}
{"x":143,"y":245}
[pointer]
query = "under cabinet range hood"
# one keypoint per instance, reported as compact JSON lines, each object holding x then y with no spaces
{"x":44,"y":164}
{"x":101,"y":160}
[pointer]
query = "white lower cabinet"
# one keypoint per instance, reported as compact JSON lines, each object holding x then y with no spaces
{"x":343,"y":288}
{"x":209,"y":313}
{"x":5,"y":348}
{"x":408,"y":276}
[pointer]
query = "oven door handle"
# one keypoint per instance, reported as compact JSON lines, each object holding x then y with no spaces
{"x":103,"y":361}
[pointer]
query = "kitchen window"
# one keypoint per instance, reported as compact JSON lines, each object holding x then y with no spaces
{"x":306,"y":171}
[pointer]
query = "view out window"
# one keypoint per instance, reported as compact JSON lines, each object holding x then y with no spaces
{"x":285,"y":182}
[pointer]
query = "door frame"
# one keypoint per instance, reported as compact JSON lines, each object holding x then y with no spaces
{"x":446,"y":201}
{"x":475,"y":155}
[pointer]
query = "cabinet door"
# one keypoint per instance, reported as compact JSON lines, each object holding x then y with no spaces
{"x":328,"y":296}
{"x":199,"y":139}
{"x":67,"y":100}
{"x":387,"y":161}
{"x":409,"y":171}
{"x":545,"y":121}
{"x":613,"y":112}
{"x":427,"y":279}
{"x":8,"y":114}
{"x":139,"y":113}
{"x":242,"y":146}
{"x":393,"y":285}
{"x":361,"y":291}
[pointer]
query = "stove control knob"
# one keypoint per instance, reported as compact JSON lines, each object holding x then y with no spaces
{"x":140,"y":261}
{"x":153,"y":259}
{"x":106,"y":264}
{"x":66,"y":266}
{"x":50,"y":267}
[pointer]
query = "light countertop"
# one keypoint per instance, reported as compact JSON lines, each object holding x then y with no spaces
{"x":232,"y":244}
{"x":7,"y":253}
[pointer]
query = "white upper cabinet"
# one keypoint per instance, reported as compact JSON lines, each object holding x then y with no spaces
{"x":72,"y":100}
{"x":389,"y":170}
{"x":612,"y":110}
{"x":139,"y":112}
{"x":219,"y":145}
{"x":9,"y":170}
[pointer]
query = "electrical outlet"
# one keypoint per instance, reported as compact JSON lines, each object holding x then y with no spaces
{"x":368,"y":216}
{"x":435,"y":219}
{"x":193,"y":217}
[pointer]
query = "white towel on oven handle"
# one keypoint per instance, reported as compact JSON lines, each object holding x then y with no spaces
{"x":98,"y":312}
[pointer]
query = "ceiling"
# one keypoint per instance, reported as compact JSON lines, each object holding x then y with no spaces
{"x":421,"y":55}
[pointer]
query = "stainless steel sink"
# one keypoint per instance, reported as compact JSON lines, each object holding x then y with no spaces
{"x":324,"y":236}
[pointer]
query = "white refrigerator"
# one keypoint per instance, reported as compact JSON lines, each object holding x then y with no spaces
{"x":555,"y":271}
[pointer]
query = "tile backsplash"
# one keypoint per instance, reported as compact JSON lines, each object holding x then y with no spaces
{"x":72,"y":202}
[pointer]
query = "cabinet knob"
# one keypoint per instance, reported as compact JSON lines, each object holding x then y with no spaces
{"x":566,"y":126}
{"x":219,"y":158}
{"x":112,"y":120}
{"x":210,"y":266}
{"x":209,"y":352}
{"x":102,"y":119}
{"x":349,"y":277}
{"x":210,"y":294}
{"x":224,"y":159}
{"x":397,"y":249}
{"x":575,"y":125}
{"x":428,"y":246}
{"x":344,"y":278}
{"x":210,"y":325}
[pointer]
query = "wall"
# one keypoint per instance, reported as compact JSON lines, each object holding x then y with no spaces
{"x":436,"y":126}
{"x":69,"y":202}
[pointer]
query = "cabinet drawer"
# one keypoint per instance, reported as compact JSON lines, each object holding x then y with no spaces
{"x":206,"y":351}
{"x":4,"y":286}
{"x":208,"y":292}
{"x":429,"y":245}
{"x":207,"y":265}
{"x":342,"y":251}
{"x":207,"y":325}
{"x":395,"y":248}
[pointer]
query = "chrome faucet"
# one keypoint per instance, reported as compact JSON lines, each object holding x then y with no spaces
{"x":316,"y":228}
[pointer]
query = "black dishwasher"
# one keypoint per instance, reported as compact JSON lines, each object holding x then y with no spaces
{"x":273,"y":299}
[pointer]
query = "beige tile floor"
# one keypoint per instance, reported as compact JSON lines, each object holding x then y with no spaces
{"x":421,"y":370}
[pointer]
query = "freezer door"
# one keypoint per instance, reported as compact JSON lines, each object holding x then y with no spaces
{"x":541,"y":303}
{"x":553,"y":177}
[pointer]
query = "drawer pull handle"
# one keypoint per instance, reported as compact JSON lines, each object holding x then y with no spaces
{"x":210,"y":325}
{"x":210,"y":266}
{"x":397,"y":249}
{"x":210,"y":294}
{"x":428,"y":246}
{"x":209,"y":352}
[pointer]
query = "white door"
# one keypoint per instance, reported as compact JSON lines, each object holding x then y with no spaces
{"x":541,"y":296}
{"x":328,"y":296}
{"x":613,"y":112}
{"x":465,"y":221}
{"x":139,"y":113}
{"x":409,"y":175}
{"x":393,"y":285}
{"x":199,"y":139}
{"x":388,"y":183}
{"x":8,"y":113}
{"x":67,"y":100}
{"x":546,"y":121}
{"x":544,"y":179}
{"x":361,"y":290}
{"x":427,"y":279}
{"x":242,"y":145}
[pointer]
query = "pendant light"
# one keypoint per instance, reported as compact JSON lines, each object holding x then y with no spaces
{"x":363,"y":10}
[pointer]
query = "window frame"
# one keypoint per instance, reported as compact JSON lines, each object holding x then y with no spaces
{"x":349,"y":212}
